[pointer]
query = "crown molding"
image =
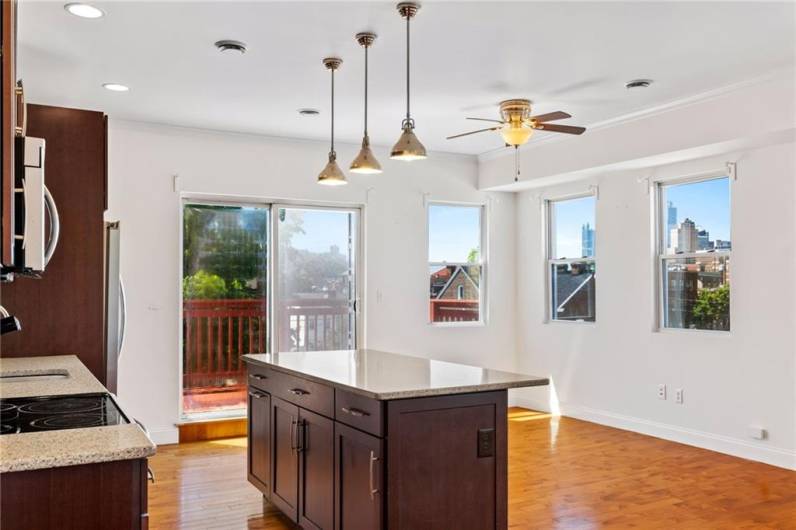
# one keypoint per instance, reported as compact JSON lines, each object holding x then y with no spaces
{"x":778,"y":74}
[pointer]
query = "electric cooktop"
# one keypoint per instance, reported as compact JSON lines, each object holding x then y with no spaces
{"x":52,"y":413}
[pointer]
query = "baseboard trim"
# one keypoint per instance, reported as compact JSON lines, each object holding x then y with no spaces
{"x":165,"y":437}
{"x":704,"y":440}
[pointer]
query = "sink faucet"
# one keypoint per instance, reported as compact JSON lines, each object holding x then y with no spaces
{"x":8,"y":322}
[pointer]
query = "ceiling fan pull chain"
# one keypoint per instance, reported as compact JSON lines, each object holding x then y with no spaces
{"x":517,"y":163}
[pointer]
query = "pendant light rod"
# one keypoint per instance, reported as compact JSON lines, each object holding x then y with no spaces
{"x":365,"y":39}
{"x":408,"y":10}
{"x":365,"y":161}
{"x":332,"y":64}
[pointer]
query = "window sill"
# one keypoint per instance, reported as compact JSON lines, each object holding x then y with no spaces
{"x":478,"y":324}
{"x":684,"y":331}
{"x":571,"y":322}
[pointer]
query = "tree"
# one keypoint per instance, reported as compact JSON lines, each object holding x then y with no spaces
{"x":204,"y":286}
{"x":712,"y":308}
{"x":472,"y":256}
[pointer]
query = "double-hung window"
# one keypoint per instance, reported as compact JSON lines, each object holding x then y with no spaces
{"x":571,"y":266}
{"x":456,"y":263}
{"x":693,"y":253}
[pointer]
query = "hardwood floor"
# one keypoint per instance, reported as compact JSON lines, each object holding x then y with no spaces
{"x":563,"y":473}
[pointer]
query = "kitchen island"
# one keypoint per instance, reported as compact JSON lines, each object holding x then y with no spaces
{"x":367,"y":439}
{"x":56,"y":475}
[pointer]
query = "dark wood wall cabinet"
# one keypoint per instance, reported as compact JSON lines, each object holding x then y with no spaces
{"x":63,"y":311}
{"x":8,"y":124}
{"x":332,"y":459}
{"x":111,"y":495}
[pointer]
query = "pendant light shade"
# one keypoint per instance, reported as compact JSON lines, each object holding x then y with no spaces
{"x":365,"y":162}
{"x":332,"y":175}
{"x":408,"y":147}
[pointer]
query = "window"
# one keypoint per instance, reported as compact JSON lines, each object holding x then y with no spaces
{"x":571,"y":266}
{"x":694,"y":254}
{"x":456,"y":263}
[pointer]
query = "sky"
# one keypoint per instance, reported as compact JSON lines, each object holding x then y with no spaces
{"x":568,"y":217}
{"x":707,"y":203}
{"x":322,"y":229}
{"x":453,"y":231}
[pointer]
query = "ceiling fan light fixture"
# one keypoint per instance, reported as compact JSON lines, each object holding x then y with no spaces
{"x":332,"y":175}
{"x":408,"y":147}
{"x":516,"y":134}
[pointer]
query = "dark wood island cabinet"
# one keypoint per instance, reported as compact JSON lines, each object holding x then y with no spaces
{"x":369,"y":440}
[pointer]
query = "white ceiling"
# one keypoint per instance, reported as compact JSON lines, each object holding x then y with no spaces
{"x":467,"y":56}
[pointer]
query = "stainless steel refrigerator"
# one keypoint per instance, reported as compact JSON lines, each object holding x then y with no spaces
{"x":115,"y":305}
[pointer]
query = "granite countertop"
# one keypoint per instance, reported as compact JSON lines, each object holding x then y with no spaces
{"x":381,"y":375}
{"x":68,"y":447}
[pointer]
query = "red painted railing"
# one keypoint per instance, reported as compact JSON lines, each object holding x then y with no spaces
{"x":215,"y":334}
{"x":453,"y":310}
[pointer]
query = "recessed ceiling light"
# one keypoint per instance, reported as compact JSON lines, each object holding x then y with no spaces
{"x":638,"y":83}
{"x":309,"y":112}
{"x":84,"y":10}
{"x":116,"y":87}
{"x":227,"y":46}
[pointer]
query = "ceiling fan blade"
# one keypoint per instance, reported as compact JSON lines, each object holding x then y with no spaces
{"x":551,"y":116}
{"x":485,"y":119}
{"x":472,"y":132}
{"x":568,"y":129}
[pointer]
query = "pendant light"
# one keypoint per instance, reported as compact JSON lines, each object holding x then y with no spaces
{"x":332,"y":175}
{"x":365,"y":162}
{"x":408,"y":147}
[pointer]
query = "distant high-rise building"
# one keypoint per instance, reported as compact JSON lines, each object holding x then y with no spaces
{"x":587,"y":240}
{"x":671,"y":222}
{"x":687,"y":236}
{"x":703,"y":240}
{"x":722,"y":245}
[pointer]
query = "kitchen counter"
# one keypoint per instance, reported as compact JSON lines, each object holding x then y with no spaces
{"x":38,"y":450}
{"x":386,"y":376}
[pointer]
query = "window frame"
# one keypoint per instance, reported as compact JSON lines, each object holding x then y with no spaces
{"x":482,"y":261}
{"x":660,"y":255}
{"x":549,"y":260}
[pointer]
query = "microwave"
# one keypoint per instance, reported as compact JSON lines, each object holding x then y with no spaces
{"x":34,"y":243}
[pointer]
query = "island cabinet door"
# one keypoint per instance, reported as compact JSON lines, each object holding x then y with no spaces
{"x":359,"y":472}
{"x":284,"y":457}
{"x":316,"y":469}
{"x":259,"y":447}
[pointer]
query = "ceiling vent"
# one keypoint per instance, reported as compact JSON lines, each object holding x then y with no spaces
{"x":227,"y":46}
{"x":638,"y":83}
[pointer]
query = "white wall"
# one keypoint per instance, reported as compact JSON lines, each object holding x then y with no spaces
{"x":142,"y":160}
{"x":608,"y":372}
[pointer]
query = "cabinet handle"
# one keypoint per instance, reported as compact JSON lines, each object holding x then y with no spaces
{"x":259,"y":377}
{"x":293,"y":430}
{"x":355,"y":412}
{"x":256,"y":395}
{"x":150,"y":475}
{"x":373,"y":490}
{"x":298,"y":392}
{"x":301,"y":436}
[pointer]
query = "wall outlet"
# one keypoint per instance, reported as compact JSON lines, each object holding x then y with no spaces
{"x":678,"y":396}
{"x":756,"y":432}
{"x":661,"y":391}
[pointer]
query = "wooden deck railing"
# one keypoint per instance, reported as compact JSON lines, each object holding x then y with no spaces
{"x":217,"y":332}
{"x":453,"y":310}
{"x":215,"y":335}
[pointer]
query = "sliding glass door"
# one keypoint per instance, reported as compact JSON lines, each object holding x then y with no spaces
{"x":258,"y":278}
{"x":316,"y":278}
{"x":224,"y":300}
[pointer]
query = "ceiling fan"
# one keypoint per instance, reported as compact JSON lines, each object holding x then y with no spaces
{"x":518,"y":125}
